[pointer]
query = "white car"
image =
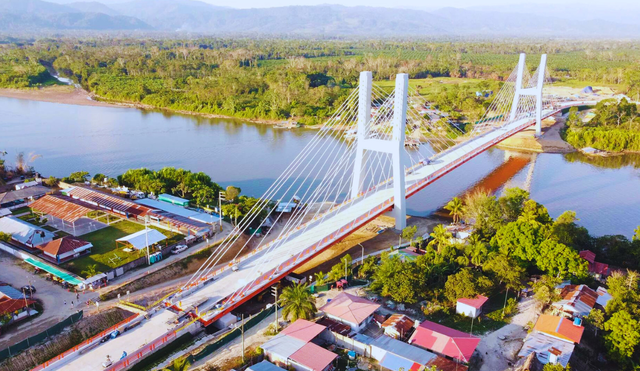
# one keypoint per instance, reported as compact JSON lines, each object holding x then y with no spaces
{"x":179,"y":248}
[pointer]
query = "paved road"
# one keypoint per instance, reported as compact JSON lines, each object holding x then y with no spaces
{"x":52,"y":296}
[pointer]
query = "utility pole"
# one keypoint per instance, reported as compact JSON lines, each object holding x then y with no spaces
{"x":242,"y":330}
{"x":146,"y":237}
{"x":221,"y":196}
{"x":274,"y":291}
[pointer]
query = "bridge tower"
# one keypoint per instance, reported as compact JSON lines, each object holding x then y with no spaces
{"x":394,"y":147}
{"x":533,"y":91}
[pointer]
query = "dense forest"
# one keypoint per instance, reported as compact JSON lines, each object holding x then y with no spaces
{"x":302,"y":80}
{"x":615,"y":127}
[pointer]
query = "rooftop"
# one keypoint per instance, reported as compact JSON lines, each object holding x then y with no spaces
{"x":10,"y":292}
{"x":579,"y":299}
{"x":21,"y":194}
{"x":62,"y":207}
{"x":409,"y":357}
{"x":313,"y":357}
{"x":350,"y":308}
{"x":559,"y":327}
{"x":283,"y":345}
{"x":64,"y":245}
{"x":23,"y":232}
{"x":8,"y":305}
{"x":141,"y":239}
{"x":264,"y":366}
{"x":542,"y":344}
{"x":476,"y":302}
{"x":445,"y":340}
{"x":303,"y":330}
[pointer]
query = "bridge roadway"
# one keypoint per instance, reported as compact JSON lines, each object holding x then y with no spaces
{"x":214,"y":295}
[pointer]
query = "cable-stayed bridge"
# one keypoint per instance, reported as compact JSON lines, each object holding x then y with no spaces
{"x":377,"y":150}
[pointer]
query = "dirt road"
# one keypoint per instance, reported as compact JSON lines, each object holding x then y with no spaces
{"x":55,"y":300}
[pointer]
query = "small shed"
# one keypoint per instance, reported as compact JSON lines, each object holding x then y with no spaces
{"x":398,"y":326}
{"x":587,"y":90}
{"x":471,"y":307}
{"x":65,"y":248}
{"x":173,"y":199}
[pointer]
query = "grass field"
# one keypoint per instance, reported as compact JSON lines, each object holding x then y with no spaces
{"x":105,"y":255}
{"x":432,"y":85}
{"x":21,"y":210}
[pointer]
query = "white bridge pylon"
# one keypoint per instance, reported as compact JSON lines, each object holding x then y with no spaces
{"x":393,"y":146}
{"x":530,"y":90}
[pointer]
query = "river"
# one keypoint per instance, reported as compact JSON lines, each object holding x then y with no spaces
{"x":605,"y":193}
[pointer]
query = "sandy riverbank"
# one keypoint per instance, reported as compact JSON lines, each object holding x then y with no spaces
{"x":549,"y":142}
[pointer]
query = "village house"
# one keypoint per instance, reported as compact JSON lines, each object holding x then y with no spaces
{"x":552,"y":340}
{"x":351,"y":310}
{"x":471,"y":307}
{"x":444,"y":340}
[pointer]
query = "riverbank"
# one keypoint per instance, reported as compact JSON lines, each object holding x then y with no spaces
{"x":549,"y":142}
{"x":77,"y":96}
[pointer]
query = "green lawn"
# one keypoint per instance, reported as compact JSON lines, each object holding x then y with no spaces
{"x":105,"y":254}
{"x":33,"y":219}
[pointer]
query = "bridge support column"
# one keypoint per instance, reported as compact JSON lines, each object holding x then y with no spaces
{"x":364,"y":115}
{"x":394,"y":147}
{"x":532,"y":91}
{"x":398,"y":154}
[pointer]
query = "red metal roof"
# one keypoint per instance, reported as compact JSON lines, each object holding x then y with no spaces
{"x":560,"y":327}
{"x":313,"y":357}
{"x":62,"y":245}
{"x":588,"y":255}
{"x":350,"y":308}
{"x":303,"y":330}
{"x":445,"y":340}
{"x":477,"y":302}
{"x":62,"y":207}
{"x":8,"y":305}
{"x":108,"y":201}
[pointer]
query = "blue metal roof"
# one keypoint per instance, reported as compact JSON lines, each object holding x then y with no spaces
{"x":264,"y":366}
{"x":10,"y":292}
{"x":395,"y":363}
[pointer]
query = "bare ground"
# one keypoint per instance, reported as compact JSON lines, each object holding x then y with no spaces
{"x":549,"y":142}
{"x":55,"y":94}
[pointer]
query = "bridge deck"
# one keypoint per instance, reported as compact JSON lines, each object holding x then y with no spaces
{"x":301,"y":246}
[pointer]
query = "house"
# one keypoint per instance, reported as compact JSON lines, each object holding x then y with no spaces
{"x":18,"y":309}
{"x":577,"y":300}
{"x":559,"y":327}
{"x":547,"y":349}
{"x":397,"y":355}
{"x":65,"y":248}
{"x":296,"y":347}
{"x":444,"y":340}
{"x":20,"y":196}
{"x":471,"y":307}
{"x":397,"y":326}
{"x":264,"y":366}
{"x":24,"y":233}
{"x":596,"y":268}
{"x":603,"y":297}
{"x":351,"y":310}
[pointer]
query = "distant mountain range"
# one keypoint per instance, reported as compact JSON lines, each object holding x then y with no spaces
{"x":322,"y":20}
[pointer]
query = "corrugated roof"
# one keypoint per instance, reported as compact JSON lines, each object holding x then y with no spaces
{"x":541,"y":344}
{"x":404,"y":350}
{"x":23,"y":232}
{"x":107,"y":201}
{"x":588,"y":255}
{"x":8,"y":305}
{"x":560,"y":327}
{"x":64,"y":245}
{"x":10,"y":292}
{"x":400,"y":323}
{"x":303,"y":330}
{"x":264,"y":366}
{"x":350,"y":308}
{"x":578,"y":299}
{"x":313,"y":357}
{"x":283,"y":345}
{"x":24,"y":193}
{"x":62,"y":207}
{"x":445,"y":340}
{"x":476,"y":302}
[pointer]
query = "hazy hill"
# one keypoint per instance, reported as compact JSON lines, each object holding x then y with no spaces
{"x":322,"y":20}
{"x":35,"y":15}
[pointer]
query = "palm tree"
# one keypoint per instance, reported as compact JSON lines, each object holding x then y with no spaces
{"x":455,"y":208}
{"x":320,"y":278}
{"x":297,"y":302}
{"x":90,"y":271}
{"x":179,"y":364}
{"x":441,"y":237}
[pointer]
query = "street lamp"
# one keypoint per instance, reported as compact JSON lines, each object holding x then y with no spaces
{"x":362,"y":259}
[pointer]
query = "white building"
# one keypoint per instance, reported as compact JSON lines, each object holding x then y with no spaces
{"x":471,"y":307}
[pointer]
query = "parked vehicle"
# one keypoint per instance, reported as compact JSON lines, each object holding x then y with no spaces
{"x":179,"y":248}
{"x":114,"y":334}
{"x":28,"y":289}
{"x":107,"y":363}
